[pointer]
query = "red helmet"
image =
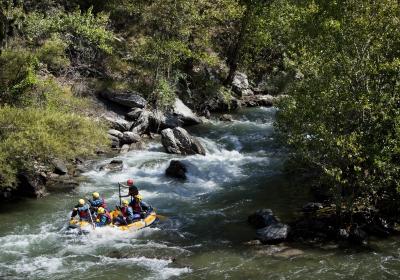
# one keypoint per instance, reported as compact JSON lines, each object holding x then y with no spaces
{"x":130,"y":182}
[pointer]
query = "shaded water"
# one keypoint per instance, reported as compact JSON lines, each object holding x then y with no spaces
{"x":204,"y":235}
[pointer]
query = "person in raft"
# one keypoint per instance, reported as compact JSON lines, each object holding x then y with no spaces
{"x":82,"y":209}
{"x":103,"y":217}
{"x":133,"y":190}
{"x":96,"y":202}
{"x":139,"y":206}
{"x":127,"y":216}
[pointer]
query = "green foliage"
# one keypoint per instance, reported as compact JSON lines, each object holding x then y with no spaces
{"x":342,"y":118}
{"x":52,"y":53}
{"x":163,"y":95}
{"x":32,"y":134}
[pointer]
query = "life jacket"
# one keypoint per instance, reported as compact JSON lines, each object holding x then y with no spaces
{"x":124,"y":211}
{"x":108,"y":216}
{"x":83,"y":214}
{"x":136,"y":207}
{"x":103,"y":203}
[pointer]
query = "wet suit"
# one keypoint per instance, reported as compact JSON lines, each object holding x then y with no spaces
{"x":82,"y":211}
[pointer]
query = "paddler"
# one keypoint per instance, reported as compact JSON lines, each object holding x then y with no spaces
{"x":82,"y":209}
{"x":127,"y":216}
{"x":133,"y":190}
{"x":139,"y":206}
{"x":97,"y":202}
{"x":103,"y":217}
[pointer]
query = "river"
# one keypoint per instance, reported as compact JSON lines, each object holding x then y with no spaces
{"x":205,"y":234}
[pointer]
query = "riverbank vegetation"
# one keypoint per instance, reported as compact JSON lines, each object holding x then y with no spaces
{"x":337,"y":60}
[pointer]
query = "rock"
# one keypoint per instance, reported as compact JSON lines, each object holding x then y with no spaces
{"x":124,"y":149}
{"x":130,"y":99}
{"x":116,"y":133}
{"x":142,"y":121}
{"x":288,"y":253}
{"x":114,"y":165}
{"x":114,"y":141}
{"x":184,"y":114}
{"x":358,"y":236}
{"x":134,"y":114}
{"x":312,"y":207}
{"x":179,"y":141}
{"x":226,"y":118}
{"x":59,"y":167}
{"x":31,"y":185}
{"x":220,"y":105}
{"x":258,"y":100}
{"x":273,"y":234}
{"x":262,"y":218}
{"x":176,"y":169}
{"x":118,"y":123}
{"x":240,"y":84}
{"x":130,"y":137}
{"x":137,"y":146}
{"x":62,"y":184}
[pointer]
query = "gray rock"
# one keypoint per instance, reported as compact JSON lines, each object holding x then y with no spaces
{"x":176,"y":169}
{"x":59,"y":167}
{"x":184,"y":114}
{"x":262,"y":218}
{"x":114,"y":165}
{"x":179,"y":141}
{"x":226,"y":118}
{"x":142,"y":122}
{"x":118,"y":123}
{"x":124,"y":149}
{"x":62,"y":184}
{"x":115,"y":133}
{"x":114,"y":141}
{"x":130,"y":137}
{"x":240,"y":83}
{"x":312,"y":207}
{"x":134,"y":114}
{"x":130,"y":99}
{"x":259,"y":100}
{"x":273,"y":234}
{"x":31,"y":185}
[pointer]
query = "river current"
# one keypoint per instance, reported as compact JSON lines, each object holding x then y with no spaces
{"x":205,"y":233}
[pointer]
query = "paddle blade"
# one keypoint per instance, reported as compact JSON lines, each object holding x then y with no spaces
{"x":162,"y":218}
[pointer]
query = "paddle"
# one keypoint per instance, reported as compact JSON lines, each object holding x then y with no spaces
{"x":91,"y":219}
{"x":161,"y":217}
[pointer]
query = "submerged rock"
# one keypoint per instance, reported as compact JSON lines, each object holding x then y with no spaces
{"x":179,"y":141}
{"x":273,"y":234}
{"x":226,"y":118}
{"x":176,"y":169}
{"x":114,"y":165}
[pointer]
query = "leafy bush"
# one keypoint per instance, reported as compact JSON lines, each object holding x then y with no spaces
{"x":52,"y":53}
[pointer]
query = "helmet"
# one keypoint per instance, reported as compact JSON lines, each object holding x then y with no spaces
{"x":95,"y":195}
{"x":130,"y":182}
{"x":138,"y":197}
{"x":125,"y":202}
{"x":81,"y":202}
{"x":101,"y":210}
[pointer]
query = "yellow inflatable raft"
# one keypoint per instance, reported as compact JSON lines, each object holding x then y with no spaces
{"x":145,"y":222}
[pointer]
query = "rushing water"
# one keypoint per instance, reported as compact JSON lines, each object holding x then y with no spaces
{"x":205,"y":234}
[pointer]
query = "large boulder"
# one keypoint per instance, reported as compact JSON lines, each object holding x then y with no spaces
{"x":176,"y":169}
{"x":116,"y":133}
{"x":59,"y":167}
{"x":129,"y":137}
{"x":179,"y":141}
{"x":258,"y":100}
{"x":262,"y":218}
{"x":184,"y":114}
{"x":240,"y":84}
{"x":273,"y":234}
{"x":141,"y":121}
{"x":118,"y":123}
{"x":130,"y":99}
{"x":31,"y":185}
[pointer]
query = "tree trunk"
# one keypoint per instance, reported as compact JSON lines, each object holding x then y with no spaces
{"x":235,"y":55}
